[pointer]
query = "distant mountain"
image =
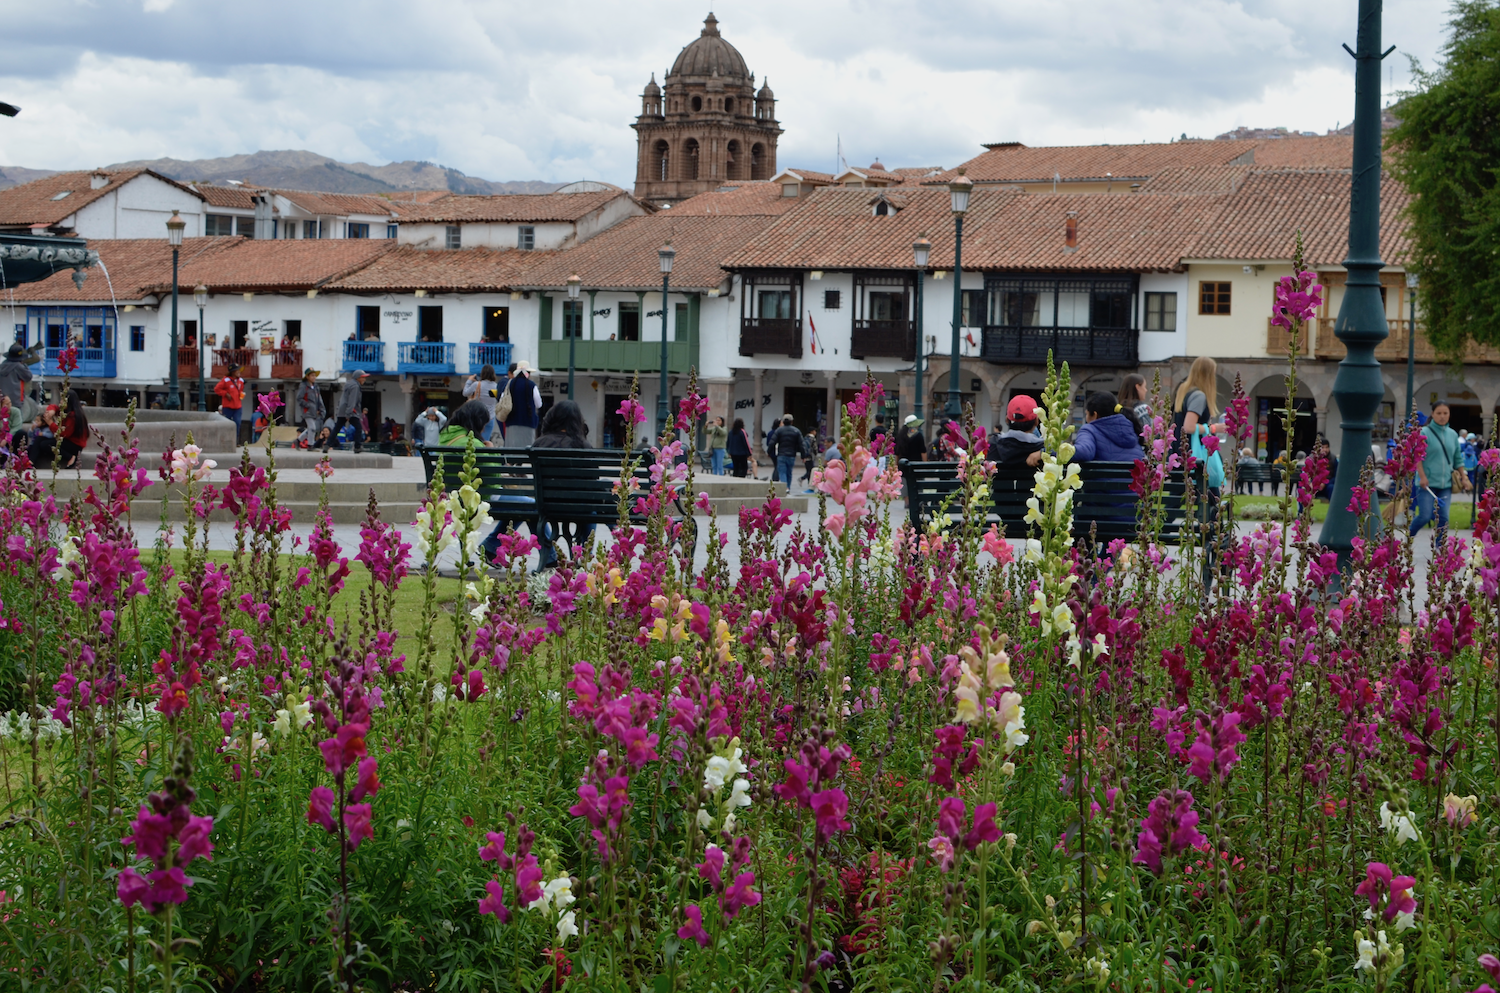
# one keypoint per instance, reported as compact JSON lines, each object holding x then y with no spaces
{"x":298,"y":170}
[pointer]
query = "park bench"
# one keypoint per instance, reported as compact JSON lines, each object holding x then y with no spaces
{"x":1105,"y":505}
{"x":1260,"y":473}
{"x":506,"y":481}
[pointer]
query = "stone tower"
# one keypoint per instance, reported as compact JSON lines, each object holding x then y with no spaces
{"x":706,"y":125}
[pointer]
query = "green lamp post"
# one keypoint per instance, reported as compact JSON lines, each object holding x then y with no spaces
{"x":1361,"y":324}
{"x":920,"y":249}
{"x":574,"y":285}
{"x":175,"y":225}
{"x":664,"y":255}
{"x":958,"y":192}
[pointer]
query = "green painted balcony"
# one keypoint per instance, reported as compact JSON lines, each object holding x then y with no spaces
{"x":616,"y":356}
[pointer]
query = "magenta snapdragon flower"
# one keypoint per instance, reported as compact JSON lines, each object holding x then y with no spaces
{"x":1170,"y":828}
{"x":495,"y":902}
{"x":1213,"y":753}
{"x":1380,"y":884}
{"x":693,"y":929}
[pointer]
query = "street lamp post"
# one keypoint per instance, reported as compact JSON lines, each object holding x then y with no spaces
{"x":574,"y":285}
{"x":1361,"y":323}
{"x":958,"y":191}
{"x":175,"y":225}
{"x":200,"y":297}
{"x":920,"y":249}
{"x":665,"y":254}
{"x":1411,"y":342}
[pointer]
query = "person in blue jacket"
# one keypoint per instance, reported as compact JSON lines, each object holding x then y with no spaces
{"x":1107,"y":434}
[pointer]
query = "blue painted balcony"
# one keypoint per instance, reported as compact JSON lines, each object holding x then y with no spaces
{"x":366,"y":355}
{"x":489,"y":353}
{"x":424,"y":356}
{"x":94,"y":362}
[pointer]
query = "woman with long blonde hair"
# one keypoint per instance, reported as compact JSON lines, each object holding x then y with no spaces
{"x":1189,"y":411}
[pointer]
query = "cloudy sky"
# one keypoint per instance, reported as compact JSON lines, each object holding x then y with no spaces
{"x":516,"y":89}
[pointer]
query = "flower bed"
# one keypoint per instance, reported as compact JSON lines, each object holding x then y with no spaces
{"x":862,"y":758}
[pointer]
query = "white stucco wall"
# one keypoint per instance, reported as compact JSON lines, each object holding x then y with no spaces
{"x":139,"y":209}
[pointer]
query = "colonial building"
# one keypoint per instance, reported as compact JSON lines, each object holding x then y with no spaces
{"x":706,"y":125}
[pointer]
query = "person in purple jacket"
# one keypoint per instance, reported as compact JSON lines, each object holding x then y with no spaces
{"x":1108,"y":435}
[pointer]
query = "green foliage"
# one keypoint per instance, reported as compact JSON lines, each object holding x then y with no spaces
{"x":1445,"y":151}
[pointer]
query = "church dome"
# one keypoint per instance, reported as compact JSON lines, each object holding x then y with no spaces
{"x":710,"y":54}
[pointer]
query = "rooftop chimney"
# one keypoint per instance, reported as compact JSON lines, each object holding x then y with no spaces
{"x":98,"y":180}
{"x":1070,"y":237}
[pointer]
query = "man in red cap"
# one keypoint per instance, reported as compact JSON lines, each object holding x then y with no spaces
{"x":1019,"y":444}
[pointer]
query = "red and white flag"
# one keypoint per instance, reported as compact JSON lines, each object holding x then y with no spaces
{"x":814,"y":328}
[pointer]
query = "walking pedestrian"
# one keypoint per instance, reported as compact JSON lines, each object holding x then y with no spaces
{"x":484,"y":389}
{"x":1194,"y":412}
{"x":231,"y":391}
{"x":785,"y":446}
{"x":738,"y":447}
{"x":718,"y":438}
{"x":525,"y":408}
{"x":1436,"y":474}
{"x":310,"y":408}
{"x":346,"y":410}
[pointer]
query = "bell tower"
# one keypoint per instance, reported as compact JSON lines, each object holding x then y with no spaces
{"x":705,"y":125}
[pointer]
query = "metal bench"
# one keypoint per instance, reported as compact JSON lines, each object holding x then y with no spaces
{"x":506,"y":480}
{"x":1104,"y":506}
{"x":575,"y":491}
{"x":1261,"y":473}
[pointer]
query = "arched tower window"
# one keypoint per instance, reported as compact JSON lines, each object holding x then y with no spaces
{"x":697,"y":103}
{"x":662,"y":161}
{"x":732,"y":166}
{"x":729,"y":105}
{"x":757,"y":161}
{"x":690,"y":157}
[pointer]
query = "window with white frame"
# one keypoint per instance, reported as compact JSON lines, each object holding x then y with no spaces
{"x":526,"y":237}
{"x":454,"y":236}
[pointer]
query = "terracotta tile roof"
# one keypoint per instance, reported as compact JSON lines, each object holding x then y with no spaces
{"x":227,"y":196}
{"x":624,"y":257}
{"x":468,"y":270}
{"x":1197,"y":179}
{"x":809,"y":175}
{"x":36,"y":203}
{"x":835,"y":229}
{"x":508,"y":207}
{"x":1260,"y":220}
{"x":1015,"y":163}
{"x":142,"y":267}
{"x":340,"y":204}
{"x":418,"y":196}
{"x":916,"y":172}
{"x":739,"y":199}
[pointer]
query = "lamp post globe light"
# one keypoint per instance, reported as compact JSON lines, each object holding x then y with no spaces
{"x":920,"y":249}
{"x":958,"y":192}
{"x":1412,"y":282}
{"x":574,"y":285}
{"x":200,"y":297}
{"x":175,"y":226}
{"x":663,"y":402}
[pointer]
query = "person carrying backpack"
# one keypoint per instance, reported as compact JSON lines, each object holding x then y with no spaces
{"x":785,"y":447}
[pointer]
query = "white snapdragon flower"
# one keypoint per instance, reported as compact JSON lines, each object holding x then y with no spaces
{"x":1398,"y":824}
{"x":283,"y":725}
{"x":721,"y":770}
{"x":566,"y":927}
{"x":740,"y":795}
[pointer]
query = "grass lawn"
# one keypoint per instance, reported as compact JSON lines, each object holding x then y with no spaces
{"x":1460,"y":513}
{"x":408,"y":608}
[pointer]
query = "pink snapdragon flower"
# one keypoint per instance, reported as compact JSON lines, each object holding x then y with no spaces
{"x":1296,"y":299}
{"x":1170,"y":827}
{"x":693,"y":929}
{"x":1213,"y":753}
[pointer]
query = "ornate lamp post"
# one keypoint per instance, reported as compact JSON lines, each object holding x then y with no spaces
{"x":1361,"y":322}
{"x":200,"y":297}
{"x":958,"y":191}
{"x":663,"y":403}
{"x":920,"y":249}
{"x":574,"y":285}
{"x":1411,"y":341}
{"x":175,"y":226}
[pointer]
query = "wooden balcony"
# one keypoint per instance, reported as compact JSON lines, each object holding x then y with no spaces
{"x":1076,"y":346}
{"x":1394,"y":348}
{"x":883,"y":339}
{"x":187,"y":362}
{"x":771,"y":336}
{"x":246,"y":358}
{"x":1278,"y":339}
{"x":286,"y":363}
{"x":614,"y":356}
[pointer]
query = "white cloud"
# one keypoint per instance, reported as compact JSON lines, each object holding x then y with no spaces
{"x":509,"y":90}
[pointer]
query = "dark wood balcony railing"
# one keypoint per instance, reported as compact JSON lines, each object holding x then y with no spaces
{"x":246,"y":358}
{"x":286,"y":363}
{"x":1076,"y":346}
{"x":883,"y":339}
{"x":771,"y":336}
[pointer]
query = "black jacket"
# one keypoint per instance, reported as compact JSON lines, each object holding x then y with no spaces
{"x":910,"y":446}
{"x":786,"y":440}
{"x":1012,"y":447}
{"x":738,"y":443}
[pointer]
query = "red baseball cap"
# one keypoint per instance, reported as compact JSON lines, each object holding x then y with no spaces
{"x":1021,"y":408}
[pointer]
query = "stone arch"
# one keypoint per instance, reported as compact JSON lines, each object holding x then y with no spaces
{"x":1462,"y":399}
{"x":697,"y":104}
{"x":733,"y":166}
{"x":758,"y":161}
{"x":729,"y":105}
{"x":661,"y":161}
{"x":690,"y":156}
{"x":1268,"y":420}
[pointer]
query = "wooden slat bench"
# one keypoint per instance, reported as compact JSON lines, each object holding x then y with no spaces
{"x":506,"y":480}
{"x":1261,"y":473}
{"x":1105,"y":504}
{"x":576,"y":491}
